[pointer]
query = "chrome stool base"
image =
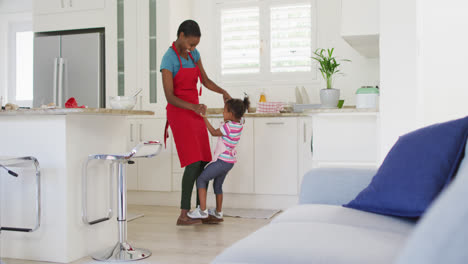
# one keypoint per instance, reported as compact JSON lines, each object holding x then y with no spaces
{"x":122,"y":252}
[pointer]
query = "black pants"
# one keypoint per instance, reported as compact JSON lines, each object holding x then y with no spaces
{"x":191,"y":174}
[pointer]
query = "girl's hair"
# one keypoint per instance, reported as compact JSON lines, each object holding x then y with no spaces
{"x":238,"y":107}
{"x":190,"y":29}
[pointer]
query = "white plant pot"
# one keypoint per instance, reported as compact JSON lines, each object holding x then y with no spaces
{"x":329,"y":98}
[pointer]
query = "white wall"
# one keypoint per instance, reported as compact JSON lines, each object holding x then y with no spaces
{"x":423,"y":65}
{"x":15,"y":6}
{"x":361,"y":71}
{"x":11,"y":11}
{"x":398,"y":68}
{"x":443,"y":60}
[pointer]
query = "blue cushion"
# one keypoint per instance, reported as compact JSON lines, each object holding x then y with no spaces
{"x":416,"y":169}
{"x":441,"y":235}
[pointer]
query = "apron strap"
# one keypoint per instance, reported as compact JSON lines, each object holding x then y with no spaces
{"x":199,"y":72}
{"x":196,"y":66}
{"x":177,"y":53}
{"x":166,"y":133}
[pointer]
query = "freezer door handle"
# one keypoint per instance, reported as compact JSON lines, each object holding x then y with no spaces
{"x":55,"y":80}
{"x":60,"y":82}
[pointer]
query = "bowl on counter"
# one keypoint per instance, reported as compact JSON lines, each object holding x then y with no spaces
{"x":123,"y":102}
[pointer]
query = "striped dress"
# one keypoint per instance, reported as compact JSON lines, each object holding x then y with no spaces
{"x":231,"y":135}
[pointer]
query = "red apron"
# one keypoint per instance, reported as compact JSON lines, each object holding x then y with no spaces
{"x":188,"y":128}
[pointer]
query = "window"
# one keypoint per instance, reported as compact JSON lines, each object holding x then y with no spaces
{"x":266,"y":40}
{"x":240,"y":40}
{"x":24,"y":66}
{"x":291,"y":40}
{"x":20,"y":70}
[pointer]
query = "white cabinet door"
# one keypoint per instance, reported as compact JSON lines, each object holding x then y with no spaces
{"x":241,"y":178}
{"x":79,"y":5}
{"x":132,"y":169}
{"x":131,"y":48}
{"x":304,"y":139}
{"x":48,"y":6}
{"x":154,"y":174}
{"x":345,"y":139}
{"x":42,"y":7}
{"x":276,"y":156}
{"x":139,"y":64}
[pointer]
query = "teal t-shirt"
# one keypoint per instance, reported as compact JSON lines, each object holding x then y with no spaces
{"x":171,"y":62}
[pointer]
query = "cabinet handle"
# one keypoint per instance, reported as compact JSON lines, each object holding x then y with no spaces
{"x":131,"y":132}
{"x":275,"y":123}
{"x":305,"y":132}
{"x":141,"y":128}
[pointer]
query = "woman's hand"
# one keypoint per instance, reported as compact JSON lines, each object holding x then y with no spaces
{"x":200,"y":109}
{"x":226,"y":96}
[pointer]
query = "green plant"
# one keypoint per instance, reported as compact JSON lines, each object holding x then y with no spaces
{"x":328,"y":64}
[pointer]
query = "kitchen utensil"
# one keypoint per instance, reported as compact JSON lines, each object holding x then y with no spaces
{"x":305,"y":96}
{"x":123,"y":102}
{"x":298,"y":96}
{"x":139,"y":91}
{"x":367,"y":97}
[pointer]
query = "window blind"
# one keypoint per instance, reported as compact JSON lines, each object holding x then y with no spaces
{"x":290,"y":36}
{"x":240,"y":40}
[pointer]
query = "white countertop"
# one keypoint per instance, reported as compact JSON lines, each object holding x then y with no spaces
{"x":74,"y":111}
{"x":345,"y":110}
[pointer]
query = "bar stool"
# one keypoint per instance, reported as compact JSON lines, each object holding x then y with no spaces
{"x":23,"y":162}
{"x":122,"y":251}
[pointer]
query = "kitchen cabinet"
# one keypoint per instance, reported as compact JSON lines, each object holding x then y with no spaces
{"x":241,"y":177}
{"x":56,"y":15}
{"x":304,"y":161}
{"x":139,"y":49}
{"x":276,"y":156}
{"x":149,"y":174}
{"x":360,"y":26}
{"x":57,"y":6}
{"x":349,"y":139}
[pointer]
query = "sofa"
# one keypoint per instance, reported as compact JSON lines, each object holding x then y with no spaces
{"x":320,"y":230}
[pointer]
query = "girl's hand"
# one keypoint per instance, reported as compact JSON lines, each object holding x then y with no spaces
{"x":200,"y":109}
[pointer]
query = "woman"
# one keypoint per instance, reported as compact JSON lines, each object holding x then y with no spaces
{"x":181,"y":67}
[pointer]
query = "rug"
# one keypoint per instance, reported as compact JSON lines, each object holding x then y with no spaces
{"x":250,"y":213}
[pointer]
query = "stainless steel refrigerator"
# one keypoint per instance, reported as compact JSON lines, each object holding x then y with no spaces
{"x":69,"y":64}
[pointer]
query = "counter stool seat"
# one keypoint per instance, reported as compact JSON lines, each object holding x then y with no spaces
{"x":122,"y":251}
{"x":10,"y":165}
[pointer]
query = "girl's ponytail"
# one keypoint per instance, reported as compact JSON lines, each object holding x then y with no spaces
{"x":246,"y":103}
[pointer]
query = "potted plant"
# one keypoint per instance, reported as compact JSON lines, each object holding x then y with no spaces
{"x":329,"y":68}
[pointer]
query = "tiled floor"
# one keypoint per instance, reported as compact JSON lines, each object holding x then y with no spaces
{"x":169,"y":243}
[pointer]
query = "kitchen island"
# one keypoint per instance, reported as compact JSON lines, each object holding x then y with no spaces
{"x":61,"y":140}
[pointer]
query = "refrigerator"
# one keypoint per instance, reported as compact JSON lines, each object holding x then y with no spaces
{"x":69,"y":64}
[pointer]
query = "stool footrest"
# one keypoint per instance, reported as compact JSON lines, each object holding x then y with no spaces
{"x":97,"y":221}
{"x":16,"y":229}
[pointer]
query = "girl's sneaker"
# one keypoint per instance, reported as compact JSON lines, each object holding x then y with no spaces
{"x":217,"y":215}
{"x":198,"y":213}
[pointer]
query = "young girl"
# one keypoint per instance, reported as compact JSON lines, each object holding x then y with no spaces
{"x":223,"y":159}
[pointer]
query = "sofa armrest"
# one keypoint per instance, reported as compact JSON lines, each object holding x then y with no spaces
{"x":334,"y":186}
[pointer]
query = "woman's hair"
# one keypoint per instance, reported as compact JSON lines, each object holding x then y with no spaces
{"x":190,"y":29}
{"x":238,"y":107}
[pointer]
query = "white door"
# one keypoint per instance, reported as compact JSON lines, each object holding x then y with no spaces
{"x":154,"y":174}
{"x":241,"y":178}
{"x":79,"y":5}
{"x":276,"y":156}
{"x":49,"y":6}
{"x":304,"y":139}
{"x":132,"y":169}
{"x":345,"y":140}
